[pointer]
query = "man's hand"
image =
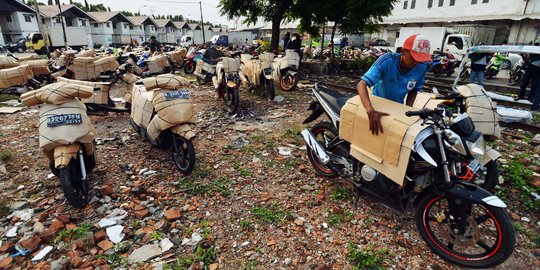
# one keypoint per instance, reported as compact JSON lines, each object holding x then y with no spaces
{"x":375,"y":121}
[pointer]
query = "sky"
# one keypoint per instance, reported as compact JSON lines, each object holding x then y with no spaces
{"x":186,"y":8}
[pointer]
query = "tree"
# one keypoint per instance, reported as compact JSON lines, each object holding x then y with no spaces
{"x":109,"y":9}
{"x":274,"y":11}
{"x":86,"y":6}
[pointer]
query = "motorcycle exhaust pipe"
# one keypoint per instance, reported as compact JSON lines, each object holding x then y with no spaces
{"x":314,"y":145}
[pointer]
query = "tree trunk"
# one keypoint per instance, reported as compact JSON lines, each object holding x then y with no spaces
{"x":332,"y":40}
{"x":276,"y":24}
{"x":322,"y":41}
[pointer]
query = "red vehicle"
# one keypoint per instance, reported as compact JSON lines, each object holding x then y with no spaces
{"x":444,"y":63}
{"x":192,"y":57}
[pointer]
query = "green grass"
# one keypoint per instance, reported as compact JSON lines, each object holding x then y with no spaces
{"x":215,"y":186}
{"x":156,"y":235}
{"x":270,"y":214}
{"x":4,"y":97}
{"x":66,"y":235}
{"x":205,"y":228}
{"x":536,"y":118}
{"x":246,"y":223}
{"x":336,"y":218}
{"x":115,"y":260}
{"x":206,"y":256}
{"x":369,"y":258}
{"x":516,"y":174}
{"x":5,"y":155}
{"x":340,"y":193}
{"x":241,"y":170}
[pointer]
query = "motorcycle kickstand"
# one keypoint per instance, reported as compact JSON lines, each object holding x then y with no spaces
{"x":357,"y":192}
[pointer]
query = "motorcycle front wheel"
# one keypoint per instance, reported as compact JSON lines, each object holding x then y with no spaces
{"x":488,"y":240}
{"x":75,"y":190}
{"x":232,"y":100}
{"x":288,"y":82}
{"x":515,"y":79}
{"x":189,"y":68}
{"x":490,"y":73}
{"x":324,"y":133}
{"x":464,"y":75}
{"x":269,"y":89}
{"x":183,"y":154}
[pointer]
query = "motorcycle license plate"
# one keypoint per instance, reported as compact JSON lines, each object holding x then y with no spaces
{"x":176,"y":95}
{"x":64,"y":119}
{"x":474,"y":165}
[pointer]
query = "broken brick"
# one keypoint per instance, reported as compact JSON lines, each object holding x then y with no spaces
{"x":173,"y":214}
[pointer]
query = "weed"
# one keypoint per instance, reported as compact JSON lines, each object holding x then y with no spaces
{"x":251,"y":265}
{"x":66,"y":235}
{"x":336,"y":218}
{"x":270,"y":214}
{"x":245,"y":223}
{"x":5,"y":155}
{"x":293,"y":131}
{"x":156,"y":235}
{"x":369,"y":258}
{"x":241,"y":170}
{"x":117,"y":261}
{"x":206,"y":256}
{"x":517,"y":173}
{"x":291,"y":164}
{"x":270,"y":163}
{"x":340,"y":193}
{"x":205,"y":227}
{"x":218,"y":185}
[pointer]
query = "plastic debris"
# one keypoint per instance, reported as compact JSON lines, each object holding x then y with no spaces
{"x":41,"y":254}
{"x":115,"y":233}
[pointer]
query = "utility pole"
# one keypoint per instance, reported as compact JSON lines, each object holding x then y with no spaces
{"x":202,"y":24}
{"x":63,"y":22}
{"x":41,"y":30}
{"x":322,"y":41}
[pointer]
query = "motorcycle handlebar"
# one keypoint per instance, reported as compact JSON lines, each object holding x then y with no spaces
{"x":424,"y":113}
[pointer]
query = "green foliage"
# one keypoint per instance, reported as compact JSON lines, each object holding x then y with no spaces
{"x":240,"y":169}
{"x":5,"y":155}
{"x":516,"y":172}
{"x":335,"y":218}
{"x":369,"y":258}
{"x":90,"y":7}
{"x":270,"y":214}
{"x":340,"y":193}
{"x":194,"y":184}
{"x":360,"y":65}
{"x":156,"y":235}
{"x":206,"y":256}
{"x":245,"y":223}
{"x":72,"y":234}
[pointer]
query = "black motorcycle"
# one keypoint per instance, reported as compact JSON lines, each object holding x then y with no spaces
{"x":461,"y":222}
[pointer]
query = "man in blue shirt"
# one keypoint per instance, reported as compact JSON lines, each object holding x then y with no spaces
{"x":394,"y":76}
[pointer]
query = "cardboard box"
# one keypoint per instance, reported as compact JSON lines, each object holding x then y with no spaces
{"x":388,"y":152}
{"x":165,"y":81}
{"x":8,"y":62}
{"x":481,"y":109}
{"x":87,"y":53}
{"x":177,"y":56}
{"x":291,"y":58}
{"x":51,"y":137}
{"x":39,"y":67}
{"x":142,"y":107}
{"x":230,"y":65}
{"x":56,"y":93}
{"x":157,"y":63}
{"x":266,"y":59}
{"x":99,"y":97}
{"x":18,"y":75}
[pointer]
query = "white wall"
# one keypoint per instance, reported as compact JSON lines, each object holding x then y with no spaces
{"x":18,"y":27}
{"x":137,"y":33}
{"x":102,"y":34}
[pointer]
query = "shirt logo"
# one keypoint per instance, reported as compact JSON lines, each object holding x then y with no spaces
{"x":411,"y":84}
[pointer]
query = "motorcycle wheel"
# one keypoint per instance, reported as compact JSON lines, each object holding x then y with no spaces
{"x":20,"y":50}
{"x":515,"y":79}
{"x":506,"y":64}
{"x":201,"y":81}
{"x":490,"y":73}
{"x":75,"y":190}
{"x":288,"y":82}
{"x":489,"y":240}
{"x":232,"y":100}
{"x":324,"y":132}
{"x":135,"y":127}
{"x":269,"y":89}
{"x":183,"y":154}
{"x":464,"y":75}
{"x":189,"y":68}
{"x":486,"y":177}
{"x":437,"y":71}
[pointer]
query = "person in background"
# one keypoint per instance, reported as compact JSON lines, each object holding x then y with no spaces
{"x":296,"y":45}
{"x":154,"y":45}
{"x":532,"y":75}
{"x":394,"y":76}
{"x":211,"y":54}
{"x":479,"y":62}
{"x":286,"y":40}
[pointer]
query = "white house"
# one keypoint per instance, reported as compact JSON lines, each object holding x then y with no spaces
{"x":181,"y":29}
{"x":195,"y":31}
{"x":111,"y":28}
{"x":517,"y":21}
{"x":143,"y":28}
{"x":166,"y":31}
{"x":77,"y":25}
{"x":17,"y":20}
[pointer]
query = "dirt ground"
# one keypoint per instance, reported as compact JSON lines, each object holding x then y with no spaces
{"x":252,"y":207}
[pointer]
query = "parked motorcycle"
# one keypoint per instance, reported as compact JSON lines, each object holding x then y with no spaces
{"x":461,"y":222}
{"x":162,"y":112}
{"x":66,"y":136}
{"x":204,"y":71}
{"x":286,"y":70}
{"x":227,"y":82}
{"x":496,"y":63}
{"x":443,"y":63}
{"x":192,"y":57}
{"x":258,"y":73}
{"x":517,"y":73}
{"x":18,"y":80}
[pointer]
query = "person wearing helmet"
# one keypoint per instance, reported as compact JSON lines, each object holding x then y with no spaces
{"x":394,"y":76}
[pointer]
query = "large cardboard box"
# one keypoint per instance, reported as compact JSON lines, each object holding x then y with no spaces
{"x":291,"y":58}
{"x":87,"y":53}
{"x":56,"y":93}
{"x":39,"y":67}
{"x":107,"y":63}
{"x":177,"y":56}
{"x":18,"y":75}
{"x":7,"y":62}
{"x":165,"y":81}
{"x":99,"y":97}
{"x":481,"y":109}
{"x":231,"y":65}
{"x":142,"y":107}
{"x":388,"y":152}
{"x":266,"y":59}
{"x":170,"y":112}
{"x":157,"y":63}
{"x":51,"y":137}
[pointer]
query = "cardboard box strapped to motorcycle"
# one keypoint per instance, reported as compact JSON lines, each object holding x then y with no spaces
{"x":56,"y":93}
{"x":7,"y":62}
{"x":388,"y":152}
{"x":157,"y":63}
{"x":99,"y":97}
{"x":87,"y":53}
{"x":18,"y":75}
{"x":39,"y":67}
{"x":177,"y":56}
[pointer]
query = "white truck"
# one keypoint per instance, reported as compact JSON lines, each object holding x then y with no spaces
{"x":441,"y":39}
{"x":188,"y":40}
{"x":77,"y":37}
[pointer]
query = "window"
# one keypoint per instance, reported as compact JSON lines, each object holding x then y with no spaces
{"x":125,"y":26}
{"x":58,"y":20}
{"x":456,"y":41}
{"x":405,"y":3}
{"x":83,"y":22}
{"x":36,"y":37}
{"x":140,"y":27}
{"x":413,"y":4}
{"x":95,"y":25}
{"x":131,"y":27}
{"x":429,"y":3}
{"x":8,"y":38}
{"x":108,"y":25}
{"x":27,"y":18}
{"x":452,"y":2}
{"x":441,"y":3}
{"x":485,"y":1}
{"x":114,"y":26}
{"x":8,"y":18}
{"x":474,"y":2}
{"x":69,"y":23}
{"x":43,"y":21}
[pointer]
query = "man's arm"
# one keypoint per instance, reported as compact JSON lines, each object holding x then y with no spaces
{"x":373,"y":115}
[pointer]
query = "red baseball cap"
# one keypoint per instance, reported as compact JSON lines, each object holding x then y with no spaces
{"x":419,"y":46}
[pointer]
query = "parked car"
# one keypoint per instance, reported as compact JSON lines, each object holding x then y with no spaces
{"x":379,"y":42}
{"x":19,"y":46}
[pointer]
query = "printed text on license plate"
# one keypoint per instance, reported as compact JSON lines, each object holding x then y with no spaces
{"x":64,"y":119}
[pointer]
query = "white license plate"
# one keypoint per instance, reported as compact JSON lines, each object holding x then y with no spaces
{"x":176,"y":95}
{"x":64,"y":119}
{"x":474,"y":165}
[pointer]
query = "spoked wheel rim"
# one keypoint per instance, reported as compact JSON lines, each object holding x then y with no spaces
{"x":183,"y":154}
{"x":482,"y":238}
{"x":324,"y":136}
{"x":288,"y":82}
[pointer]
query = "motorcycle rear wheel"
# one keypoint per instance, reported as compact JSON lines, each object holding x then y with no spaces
{"x":183,"y":154}
{"x":515,"y":79}
{"x":488,"y":241}
{"x":269,"y":89}
{"x":288,"y":82}
{"x":75,"y":190}
{"x":323,"y":132}
{"x":232,"y":100}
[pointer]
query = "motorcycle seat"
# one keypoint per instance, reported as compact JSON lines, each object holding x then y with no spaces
{"x":336,"y":99}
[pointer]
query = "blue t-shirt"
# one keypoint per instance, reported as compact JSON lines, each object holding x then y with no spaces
{"x":388,"y":82}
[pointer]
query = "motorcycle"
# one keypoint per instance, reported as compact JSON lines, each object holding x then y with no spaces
{"x":204,"y":71}
{"x":258,"y":73}
{"x":192,"y":57}
{"x":443,"y":63}
{"x":461,"y":222}
{"x":162,"y":113}
{"x":227,"y":82}
{"x":176,"y":59}
{"x":496,"y":63}
{"x":286,"y":70}
{"x":66,"y":136}
{"x":18,"y":80}
{"x":517,"y":73}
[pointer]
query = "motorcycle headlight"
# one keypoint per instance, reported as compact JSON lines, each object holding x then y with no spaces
{"x":478,"y":148}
